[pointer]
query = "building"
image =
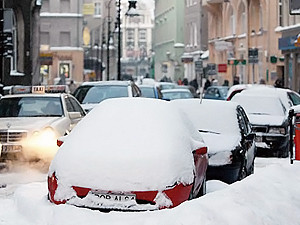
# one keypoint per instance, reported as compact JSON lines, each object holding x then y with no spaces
{"x":195,"y":38}
{"x":289,"y":28}
{"x":61,"y":41}
{"x":137,"y":41}
{"x":168,"y":39}
{"x":21,"y":19}
{"x":242,"y":40}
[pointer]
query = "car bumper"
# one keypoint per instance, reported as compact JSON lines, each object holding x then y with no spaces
{"x":271,"y":145}
{"x":227,"y":173}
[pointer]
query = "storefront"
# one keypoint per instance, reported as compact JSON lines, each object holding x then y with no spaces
{"x":291,"y":57}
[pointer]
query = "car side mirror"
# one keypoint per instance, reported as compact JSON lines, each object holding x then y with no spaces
{"x":74,"y":115}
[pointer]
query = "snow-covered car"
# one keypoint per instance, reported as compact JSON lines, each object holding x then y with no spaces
{"x":178,"y":93}
{"x":268,"y":115}
{"x":226,"y":130}
{"x":30,"y":123}
{"x":135,"y":162}
{"x":89,"y":94}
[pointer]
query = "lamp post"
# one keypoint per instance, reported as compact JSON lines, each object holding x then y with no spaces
{"x":119,"y":38}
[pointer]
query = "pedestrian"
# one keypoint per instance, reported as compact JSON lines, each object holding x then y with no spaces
{"x":226,"y":83}
{"x":207,"y":84}
{"x":72,"y":86}
{"x":185,"y":82}
{"x":194,"y":84}
{"x":236,"y":80}
{"x":278,"y":83}
{"x":179,"y":82}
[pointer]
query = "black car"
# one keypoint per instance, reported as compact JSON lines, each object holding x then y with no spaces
{"x":226,"y":130}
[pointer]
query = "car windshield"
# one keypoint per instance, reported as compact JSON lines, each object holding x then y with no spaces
{"x":177,"y":95}
{"x":99,"y":93}
{"x":31,"y":107}
{"x":147,"y":92}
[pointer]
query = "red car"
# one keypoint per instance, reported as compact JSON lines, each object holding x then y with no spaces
{"x":130,"y":154}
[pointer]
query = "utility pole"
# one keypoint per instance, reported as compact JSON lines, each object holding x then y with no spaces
{"x":108,"y":41}
{"x":1,"y":36}
{"x":119,"y":39}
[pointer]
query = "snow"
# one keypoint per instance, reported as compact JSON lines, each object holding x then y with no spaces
{"x":271,"y":196}
{"x":159,"y":145}
{"x":226,"y":131}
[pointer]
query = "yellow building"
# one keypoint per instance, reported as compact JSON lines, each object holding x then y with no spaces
{"x":243,"y":40}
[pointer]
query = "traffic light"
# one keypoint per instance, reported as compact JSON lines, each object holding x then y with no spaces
{"x":6,"y":44}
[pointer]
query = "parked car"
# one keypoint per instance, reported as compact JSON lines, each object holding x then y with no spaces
{"x":150,"y":91}
{"x":189,"y":87}
{"x":137,"y":163}
{"x":31,"y":121}
{"x":227,"y":132}
{"x":89,"y":94}
{"x":171,"y":94}
{"x":268,"y":115}
{"x":216,"y":92}
{"x":166,"y":85}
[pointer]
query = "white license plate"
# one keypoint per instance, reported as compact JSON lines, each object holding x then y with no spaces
{"x":116,"y":197}
{"x":11,"y":148}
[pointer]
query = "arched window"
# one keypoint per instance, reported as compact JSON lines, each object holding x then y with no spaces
{"x":231,"y":22}
{"x":242,"y":18}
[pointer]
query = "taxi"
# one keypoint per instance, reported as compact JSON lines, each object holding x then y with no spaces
{"x":33,"y":117}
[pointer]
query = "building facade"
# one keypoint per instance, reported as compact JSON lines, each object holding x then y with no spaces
{"x":242,"y":40}
{"x":21,"y":18}
{"x":195,"y":38}
{"x":168,"y":39}
{"x":137,"y":41}
{"x":289,"y":28}
{"x":61,"y":56}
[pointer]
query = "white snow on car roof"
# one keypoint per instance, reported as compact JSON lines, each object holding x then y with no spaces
{"x":217,"y":120}
{"x":129,"y":144}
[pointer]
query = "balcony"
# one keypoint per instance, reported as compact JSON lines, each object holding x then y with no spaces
{"x":206,"y":2}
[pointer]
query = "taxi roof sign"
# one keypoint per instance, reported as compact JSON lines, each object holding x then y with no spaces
{"x":38,"y":89}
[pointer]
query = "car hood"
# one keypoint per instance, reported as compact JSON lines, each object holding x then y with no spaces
{"x":266,"y":119}
{"x":27,"y":123}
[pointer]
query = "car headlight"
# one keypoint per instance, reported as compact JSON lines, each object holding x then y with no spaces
{"x":277,"y":130}
{"x":45,"y":135}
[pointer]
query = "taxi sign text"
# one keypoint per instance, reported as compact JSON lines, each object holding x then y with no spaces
{"x":38,"y":89}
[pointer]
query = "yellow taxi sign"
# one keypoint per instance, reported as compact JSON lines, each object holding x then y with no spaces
{"x":38,"y":89}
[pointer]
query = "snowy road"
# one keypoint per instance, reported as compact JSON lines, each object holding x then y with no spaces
{"x":271,"y":197}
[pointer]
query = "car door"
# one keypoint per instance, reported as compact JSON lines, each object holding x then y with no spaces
{"x":72,"y":105}
{"x":248,"y":138}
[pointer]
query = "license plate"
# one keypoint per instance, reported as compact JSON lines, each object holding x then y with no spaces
{"x":116,"y":197}
{"x":11,"y":148}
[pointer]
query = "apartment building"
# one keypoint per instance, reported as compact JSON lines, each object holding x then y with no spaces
{"x":21,"y":20}
{"x":195,"y":38}
{"x":168,"y":39}
{"x":289,"y":28}
{"x":137,"y":41}
{"x":243,"y":40}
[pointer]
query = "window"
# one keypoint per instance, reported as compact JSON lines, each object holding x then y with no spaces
{"x":45,"y":38}
{"x":97,"y":9}
{"x":231,"y":22}
{"x":64,"y":70}
{"x":65,"y":39}
{"x":142,"y":35}
{"x":64,"y":6}
{"x":45,"y":6}
{"x":195,"y":34}
{"x":280,"y":13}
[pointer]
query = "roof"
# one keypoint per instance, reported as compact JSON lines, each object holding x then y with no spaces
{"x":110,"y":82}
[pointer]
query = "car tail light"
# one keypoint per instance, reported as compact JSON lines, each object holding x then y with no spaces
{"x":200,"y":151}
{"x":81,"y":192}
{"x":52,"y":186}
{"x":59,"y":142}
